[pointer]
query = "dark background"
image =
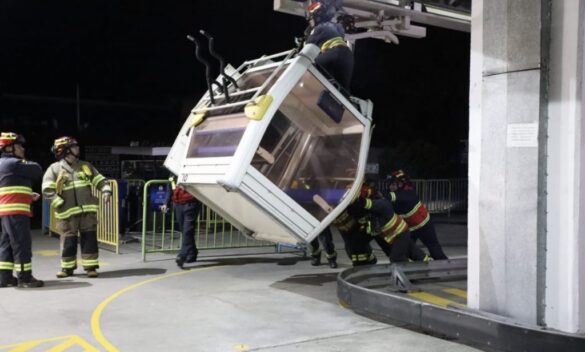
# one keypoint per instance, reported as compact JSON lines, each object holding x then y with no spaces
{"x":137,"y":77}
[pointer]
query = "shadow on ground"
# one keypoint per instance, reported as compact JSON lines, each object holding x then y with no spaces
{"x":321,"y":286}
{"x":51,"y":285}
{"x":131,"y":272}
{"x":249,"y":260}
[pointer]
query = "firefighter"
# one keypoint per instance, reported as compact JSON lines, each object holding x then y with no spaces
{"x":389,"y":226}
{"x":17,"y":176}
{"x":68,"y":185}
{"x":324,"y":239}
{"x":355,"y":237}
{"x":335,"y":58}
{"x":407,"y":203}
{"x":187,"y":209}
{"x":354,"y":226}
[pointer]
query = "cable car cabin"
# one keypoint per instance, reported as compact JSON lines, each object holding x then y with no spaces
{"x":281,"y":155}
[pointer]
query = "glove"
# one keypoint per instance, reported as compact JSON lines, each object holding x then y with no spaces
{"x":348,"y":23}
{"x":164,"y":208}
{"x":106,"y":196}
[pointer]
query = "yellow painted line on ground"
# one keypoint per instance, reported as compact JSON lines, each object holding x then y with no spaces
{"x":242,"y":347}
{"x":430,"y":298}
{"x":456,"y":292}
{"x":64,"y":343}
{"x":97,"y":313}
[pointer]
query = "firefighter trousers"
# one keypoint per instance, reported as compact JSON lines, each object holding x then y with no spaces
{"x":325,"y":239}
{"x":79,"y":229}
{"x":357,"y":247}
{"x":404,"y":249}
{"x":338,"y":63}
{"x":15,"y":248}
{"x":428,"y":237}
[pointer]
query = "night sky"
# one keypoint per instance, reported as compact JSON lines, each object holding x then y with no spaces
{"x":138,"y":78}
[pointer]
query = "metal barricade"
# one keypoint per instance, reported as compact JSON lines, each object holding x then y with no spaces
{"x":108,"y":218}
{"x":214,"y":232}
{"x":211,"y":230}
{"x":438,"y":195}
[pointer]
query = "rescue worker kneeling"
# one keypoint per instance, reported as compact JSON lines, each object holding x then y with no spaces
{"x":68,"y":185}
{"x":17,"y":176}
{"x":389,"y":226}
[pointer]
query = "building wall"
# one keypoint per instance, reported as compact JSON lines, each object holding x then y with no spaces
{"x":505,"y":96}
{"x":565,"y":261}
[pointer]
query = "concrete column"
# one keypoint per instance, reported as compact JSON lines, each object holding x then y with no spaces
{"x":565,"y":260}
{"x":506,"y":103}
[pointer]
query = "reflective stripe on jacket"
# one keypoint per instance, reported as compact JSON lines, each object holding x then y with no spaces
{"x":16,"y":178}
{"x":409,"y":206}
{"x":392,"y":224}
{"x":69,"y":188}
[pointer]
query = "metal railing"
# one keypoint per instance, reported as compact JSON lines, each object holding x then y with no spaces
{"x":211,"y":230}
{"x":107,"y":218}
{"x":438,"y":195}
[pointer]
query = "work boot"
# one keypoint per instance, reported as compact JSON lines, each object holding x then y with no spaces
{"x":192,"y":259}
{"x":180,"y":261}
{"x":332,"y":262}
{"x":92,"y":273}
{"x":64,"y":273}
{"x":12,"y":282}
{"x":32,"y":283}
{"x":316,"y":260}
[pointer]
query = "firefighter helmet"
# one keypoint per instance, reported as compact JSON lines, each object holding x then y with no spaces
{"x":10,"y":138}
{"x":367,"y":191}
{"x":62,"y":146}
{"x":398,"y":176}
{"x":320,"y":12}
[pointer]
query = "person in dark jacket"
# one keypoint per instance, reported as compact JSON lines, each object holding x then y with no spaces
{"x":187,"y":209}
{"x":390,"y":226}
{"x":335,"y":58}
{"x":17,"y":177}
{"x":407,"y":203}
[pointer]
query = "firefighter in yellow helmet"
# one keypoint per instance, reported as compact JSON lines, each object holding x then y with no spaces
{"x":17,"y":176}
{"x":68,"y":185}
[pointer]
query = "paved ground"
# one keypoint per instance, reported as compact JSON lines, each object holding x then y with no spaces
{"x":237,"y":300}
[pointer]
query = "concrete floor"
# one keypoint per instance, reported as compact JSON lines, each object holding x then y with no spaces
{"x":231,"y":300}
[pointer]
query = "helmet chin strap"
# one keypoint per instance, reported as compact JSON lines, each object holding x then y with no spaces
{"x":70,"y":152}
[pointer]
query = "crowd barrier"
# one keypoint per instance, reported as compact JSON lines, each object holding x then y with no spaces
{"x":438,"y":195}
{"x":211,"y":230}
{"x":108,"y":233}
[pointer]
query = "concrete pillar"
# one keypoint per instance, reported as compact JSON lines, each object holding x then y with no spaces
{"x":565,"y":259}
{"x":506,"y":157}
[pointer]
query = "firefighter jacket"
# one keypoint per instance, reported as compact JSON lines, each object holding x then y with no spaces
{"x":388,"y":224}
{"x":16,"y":180}
{"x":327,"y":35}
{"x":69,"y":188}
{"x":409,"y":206}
